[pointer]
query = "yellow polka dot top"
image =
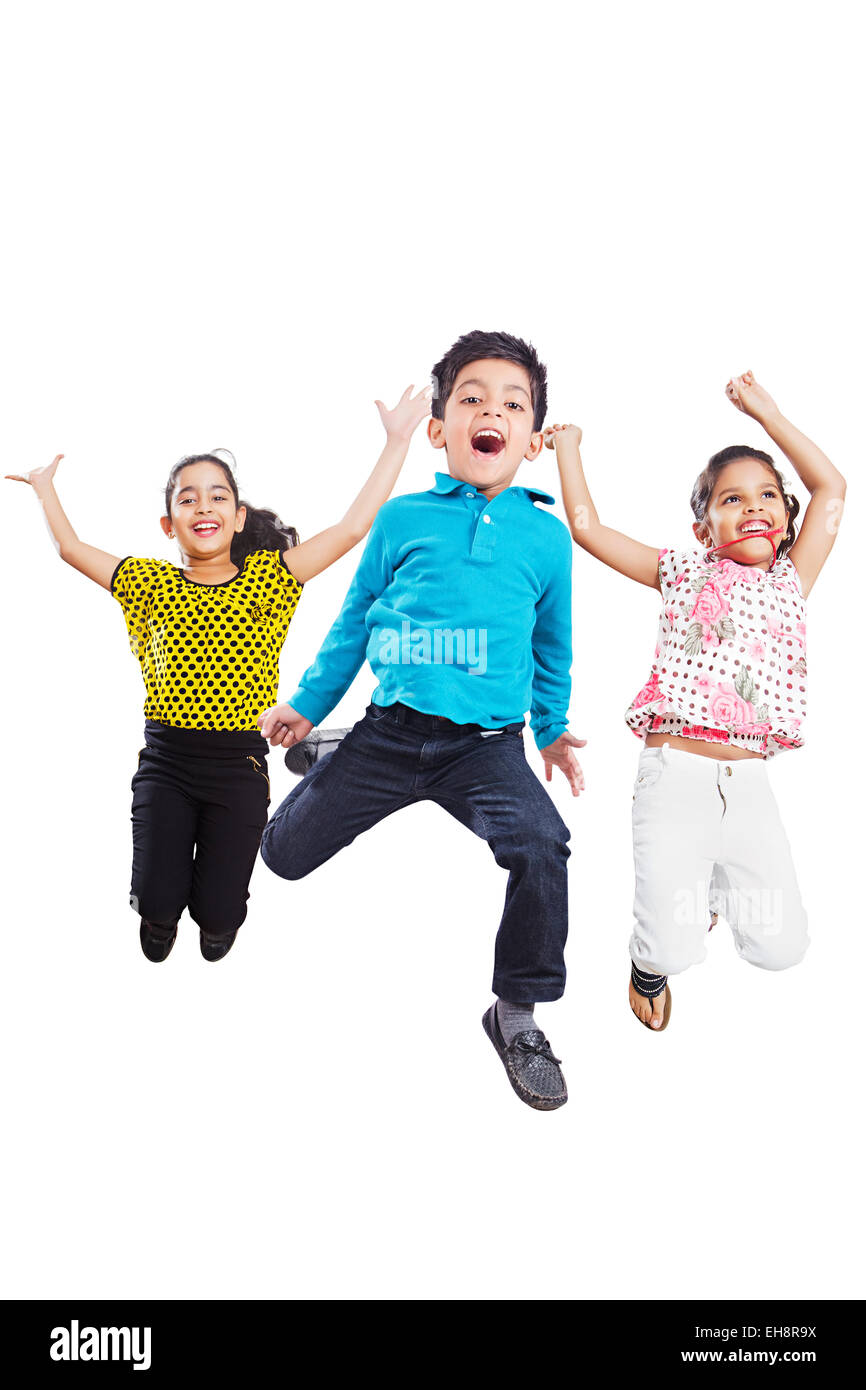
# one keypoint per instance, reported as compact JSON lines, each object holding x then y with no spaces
{"x":209,"y":653}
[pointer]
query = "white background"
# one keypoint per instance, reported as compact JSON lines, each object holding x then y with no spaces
{"x":237,"y":226}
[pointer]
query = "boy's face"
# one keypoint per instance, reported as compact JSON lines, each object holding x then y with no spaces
{"x":487,"y":427}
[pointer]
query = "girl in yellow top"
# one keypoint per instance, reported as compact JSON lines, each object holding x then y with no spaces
{"x":208,"y":634}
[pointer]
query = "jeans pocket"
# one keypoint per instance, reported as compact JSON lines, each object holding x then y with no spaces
{"x":507,"y":731}
{"x":260,"y":771}
{"x":377,"y":712}
{"x":648,"y":775}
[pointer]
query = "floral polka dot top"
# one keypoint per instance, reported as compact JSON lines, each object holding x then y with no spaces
{"x":209,"y":653}
{"x":730,"y":659}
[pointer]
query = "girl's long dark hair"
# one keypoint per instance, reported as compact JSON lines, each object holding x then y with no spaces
{"x":706,"y":482}
{"x":263,"y":529}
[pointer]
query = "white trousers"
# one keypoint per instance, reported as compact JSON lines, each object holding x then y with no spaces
{"x":708,"y":838}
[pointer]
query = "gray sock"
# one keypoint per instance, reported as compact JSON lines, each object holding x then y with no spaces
{"x":514,"y":1019}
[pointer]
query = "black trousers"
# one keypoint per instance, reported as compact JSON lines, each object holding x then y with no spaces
{"x":199,"y":806}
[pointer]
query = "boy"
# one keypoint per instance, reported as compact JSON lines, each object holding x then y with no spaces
{"x":462,"y":605}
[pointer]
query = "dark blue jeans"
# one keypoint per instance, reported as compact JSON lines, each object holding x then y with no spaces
{"x":394,"y":757}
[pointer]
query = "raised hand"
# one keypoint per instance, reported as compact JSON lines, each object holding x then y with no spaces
{"x":98,"y":565}
{"x":283,"y":726}
{"x":404,"y":419}
{"x":38,"y":478}
{"x":745,"y":393}
{"x":563,"y":432}
{"x":559,"y":754}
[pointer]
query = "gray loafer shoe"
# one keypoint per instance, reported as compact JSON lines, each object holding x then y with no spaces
{"x":301,"y":756}
{"x":531,"y":1067}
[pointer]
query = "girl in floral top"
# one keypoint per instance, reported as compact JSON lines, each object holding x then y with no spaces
{"x":727,"y":690}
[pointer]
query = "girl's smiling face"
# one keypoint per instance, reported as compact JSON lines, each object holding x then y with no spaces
{"x":204,"y":517}
{"x":746,"y":503}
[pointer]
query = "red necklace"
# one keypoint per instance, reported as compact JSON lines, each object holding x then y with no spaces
{"x":769,"y":534}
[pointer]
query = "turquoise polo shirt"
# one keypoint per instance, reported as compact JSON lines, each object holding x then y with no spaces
{"x":462,"y":606}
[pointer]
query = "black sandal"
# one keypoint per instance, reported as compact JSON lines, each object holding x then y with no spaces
{"x":650,"y":987}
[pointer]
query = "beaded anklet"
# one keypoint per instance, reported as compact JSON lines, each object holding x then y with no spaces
{"x":649,"y":986}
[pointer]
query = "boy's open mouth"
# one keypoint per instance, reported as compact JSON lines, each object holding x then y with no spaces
{"x":488,"y":441}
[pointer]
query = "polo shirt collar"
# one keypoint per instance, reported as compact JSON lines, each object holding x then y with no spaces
{"x":446,"y":482}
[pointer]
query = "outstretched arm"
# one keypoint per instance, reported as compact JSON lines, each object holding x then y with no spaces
{"x":621,"y":553}
{"x":340,"y":656}
{"x":98,"y":565}
{"x":311,"y":557}
{"x":820,"y":522}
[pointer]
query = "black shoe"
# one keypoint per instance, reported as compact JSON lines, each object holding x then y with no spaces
{"x":301,"y":756}
{"x":531,"y":1066}
{"x":215,"y":947}
{"x":156,"y":941}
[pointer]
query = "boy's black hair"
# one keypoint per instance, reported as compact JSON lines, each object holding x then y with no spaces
{"x":478,"y":344}
{"x":263,"y":529}
{"x":706,"y":482}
